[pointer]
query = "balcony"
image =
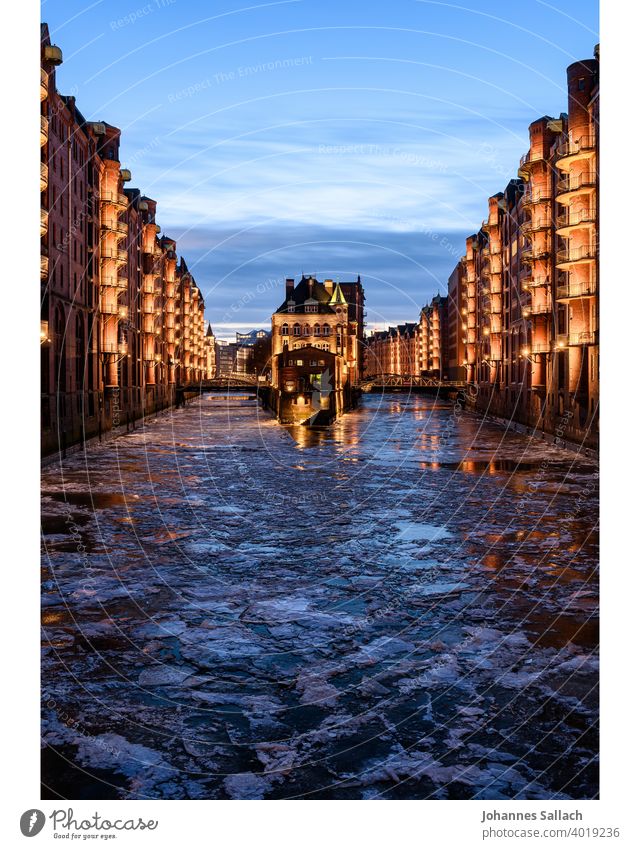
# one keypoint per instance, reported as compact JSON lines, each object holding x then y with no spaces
{"x":536,"y":282}
{"x":44,"y":84}
{"x":574,"y":184}
{"x":44,"y":176}
{"x":529,"y":158}
{"x":44,"y":130}
{"x":541,"y":348}
{"x":583,"y":289}
{"x":586,"y":337}
{"x":44,"y":332}
{"x":544,"y":308}
{"x":112,"y":225}
{"x":112,"y":281}
{"x":114,"y":254}
{"x":575,"y":256}
{"x":533,"y":196}
{"x":44,"y":222}
{"x":572,"y":150}
{"x":109,"y":308}
{"x":534,"y":225}
{"x":568,"y":221}
{"x":53,"y":54}
{"x":115,"y":198}
{"x":44,"y":267}
{"x":114,"y":348}
{"x":530,"y":255}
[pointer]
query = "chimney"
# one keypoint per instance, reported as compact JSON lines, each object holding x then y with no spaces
{"x":289,"y":286}
{"x":328,"y":285}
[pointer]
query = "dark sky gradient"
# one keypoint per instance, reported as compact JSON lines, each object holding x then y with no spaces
{"x":335,"y":137}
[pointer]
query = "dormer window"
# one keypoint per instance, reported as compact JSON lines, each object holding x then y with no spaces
{"x":311,"y":308}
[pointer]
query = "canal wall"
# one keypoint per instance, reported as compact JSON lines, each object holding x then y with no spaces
{"x":535,"y":416}
{"x":113,"y":420}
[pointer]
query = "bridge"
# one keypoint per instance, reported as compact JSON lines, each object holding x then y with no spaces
{"x":224,"y":383}
{"x":408,"y":382}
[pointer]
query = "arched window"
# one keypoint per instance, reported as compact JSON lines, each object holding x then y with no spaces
{"x":296,"y":330}
{"x":59,"y":358}
{"x":307,"y":330}
{"x":326,"y":330}
{"x":80,"y":353}
{"x":316,"y":330}
{"x":285,"y":330}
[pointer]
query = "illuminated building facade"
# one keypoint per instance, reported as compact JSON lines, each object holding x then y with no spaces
{"x":520,"y":323}
{"x":414,"y":349}
{"x":328,"y":318}
{"x":529,"y":278}
{"x":112,"y":347}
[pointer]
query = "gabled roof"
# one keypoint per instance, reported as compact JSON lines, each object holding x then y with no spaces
{"x":308,"y":287}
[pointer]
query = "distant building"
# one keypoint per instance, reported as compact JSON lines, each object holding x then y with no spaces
{"x":319,"y":318}
{"x":226,"y":357}
{"x":251,"y":337}
{"x":457,"y":324}
{"x":412,"y":349}
{"x":244,"y":356}
{"x":210,"y":357}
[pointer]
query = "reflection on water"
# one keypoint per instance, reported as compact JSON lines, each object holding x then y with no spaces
{"x":96,"y":500}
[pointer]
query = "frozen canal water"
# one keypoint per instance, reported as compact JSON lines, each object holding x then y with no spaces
{"x":404,"y":606}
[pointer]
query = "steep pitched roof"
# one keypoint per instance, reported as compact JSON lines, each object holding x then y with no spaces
{"x":308,"y":287}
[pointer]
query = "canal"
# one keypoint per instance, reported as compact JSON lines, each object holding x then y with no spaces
{"x":404,"y":606}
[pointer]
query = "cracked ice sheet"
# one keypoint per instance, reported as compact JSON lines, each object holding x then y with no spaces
{"x":385,"y":636}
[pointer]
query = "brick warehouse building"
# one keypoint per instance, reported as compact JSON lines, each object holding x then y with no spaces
{"x":530,"y":278}
{"x":520,"y":323}
{"x":122,"y":322}
{"x":417,"y":349}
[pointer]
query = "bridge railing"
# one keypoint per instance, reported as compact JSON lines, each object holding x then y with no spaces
{"x":407,"y":380}
{"x":239,"y":379}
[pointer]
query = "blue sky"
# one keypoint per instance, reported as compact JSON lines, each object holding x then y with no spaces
{"x":329,"y":137}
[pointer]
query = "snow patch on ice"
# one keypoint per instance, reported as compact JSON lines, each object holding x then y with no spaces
{"x":412,"y":531}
